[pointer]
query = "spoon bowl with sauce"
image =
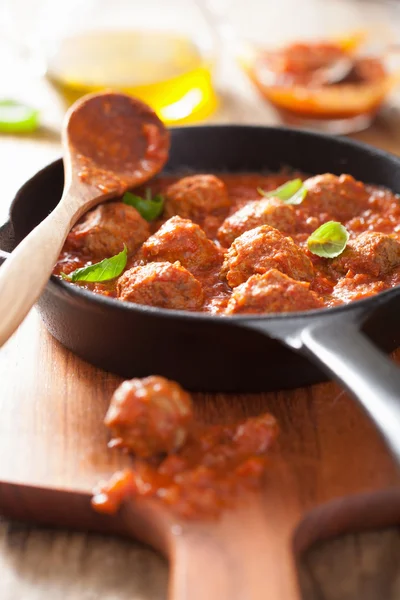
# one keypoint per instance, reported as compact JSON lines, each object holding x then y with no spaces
{"x":111,"y":142}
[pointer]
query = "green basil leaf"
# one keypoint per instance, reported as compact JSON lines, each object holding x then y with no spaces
{"x":17,"y":118}
{"x":329,"y":240}
{"x":291,"y":192}
{"x":109,"y":268}
{"x":149,"y":208}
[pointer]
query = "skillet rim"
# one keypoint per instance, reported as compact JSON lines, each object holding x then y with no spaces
{"x":362,"y":305}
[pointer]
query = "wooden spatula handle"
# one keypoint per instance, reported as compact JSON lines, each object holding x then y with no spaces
{"x":25,"y":273}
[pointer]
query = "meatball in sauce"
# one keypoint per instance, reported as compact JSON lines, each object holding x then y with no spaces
{"x":375,"y":254}
{"x":334,"y":198}
{"x":196,"y":196}
{"x":267,"y":211}
{"x":182,"y":240}
{"x":103,"y":231}
{"x":162,"y":284}
{"x":261,"y":249}
{"x":270,"y":293}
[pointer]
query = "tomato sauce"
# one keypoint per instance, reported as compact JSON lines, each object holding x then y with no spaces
{"x":216,"y":465}
{"x":379,"y":211}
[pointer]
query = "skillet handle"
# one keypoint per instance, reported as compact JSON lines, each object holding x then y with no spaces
{"x":337,"y":344}
{"x":366,"y":372}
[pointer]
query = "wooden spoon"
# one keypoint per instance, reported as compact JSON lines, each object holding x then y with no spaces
{"x":111,"y":142}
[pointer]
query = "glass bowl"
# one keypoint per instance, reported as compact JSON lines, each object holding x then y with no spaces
{"x":161,"y":52}
{"x":328,"y":65}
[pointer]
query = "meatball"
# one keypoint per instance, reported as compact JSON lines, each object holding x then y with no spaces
{"x":262,"y":249}
{"x":269,"y":211}
{"x":196,"y":196}
{"x":180,"y":239}
{"x":149,"y":416}
{"x":272,"y":292}
{"x":372,"y":253}
{"x":334,"y":198}
{"x":357,"y":287}
{"x":103,"y":231}
{"x":161,"y":284}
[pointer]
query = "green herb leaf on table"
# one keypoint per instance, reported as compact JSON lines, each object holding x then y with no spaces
{"x":329,"y":240}
{"x":107,"y":269}
{"x":149,"y":207}
{"x":291,"y":192}
{"x":17,"y":118}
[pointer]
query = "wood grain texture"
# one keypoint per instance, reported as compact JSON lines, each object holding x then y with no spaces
{"x":327,"y":448}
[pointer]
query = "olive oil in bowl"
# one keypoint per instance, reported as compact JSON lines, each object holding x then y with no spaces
{"x":165,"y":70}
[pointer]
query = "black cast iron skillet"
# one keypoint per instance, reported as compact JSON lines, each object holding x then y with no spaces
{"x":234,"y":354}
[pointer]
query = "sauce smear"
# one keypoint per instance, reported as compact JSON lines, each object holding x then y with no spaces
{"x":207,"y":475}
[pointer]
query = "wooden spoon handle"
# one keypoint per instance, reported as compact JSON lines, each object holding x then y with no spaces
{"x":25,"y":273}
{"x":244,"y":557}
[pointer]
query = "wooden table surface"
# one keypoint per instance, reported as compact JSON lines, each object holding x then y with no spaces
{"x":38,"y":563}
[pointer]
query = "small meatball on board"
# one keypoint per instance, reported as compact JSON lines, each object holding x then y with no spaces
{"x":197,"y":470}
{"x":149,"y":416}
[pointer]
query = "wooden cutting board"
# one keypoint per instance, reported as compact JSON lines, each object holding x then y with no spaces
{"x":330,"y":473}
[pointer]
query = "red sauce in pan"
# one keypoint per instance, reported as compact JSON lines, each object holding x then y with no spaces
{"x":369,"y":264}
